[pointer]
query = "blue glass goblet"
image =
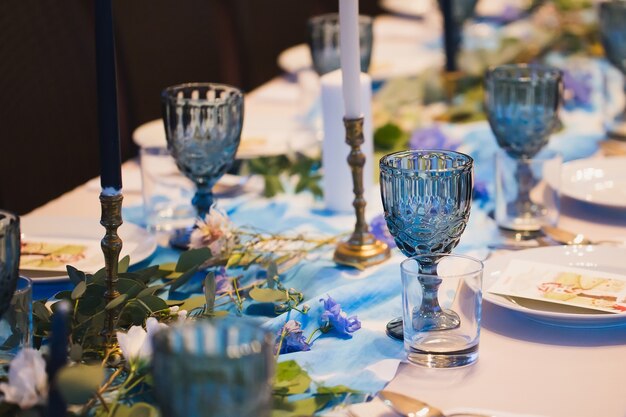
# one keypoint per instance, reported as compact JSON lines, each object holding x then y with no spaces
{"x":323,"y":40}
{"x":522,"y":103}
{"x":203,"y":127}
{"x":427,"y":196}
{"x":9,"y":257}
{"x":613,"y":36}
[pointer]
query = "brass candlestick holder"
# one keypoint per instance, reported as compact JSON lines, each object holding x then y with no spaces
{"x":451,"y":84}
{"x":111,"y":244}
{"x":362,"y":249}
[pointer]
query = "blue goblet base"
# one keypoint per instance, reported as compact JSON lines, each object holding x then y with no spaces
{"x":180,"y":238}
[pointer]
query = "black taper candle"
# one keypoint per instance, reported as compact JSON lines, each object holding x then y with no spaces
{"x":58,"y":358}
{"x":451,"y":34}
{"x":110,"y":159}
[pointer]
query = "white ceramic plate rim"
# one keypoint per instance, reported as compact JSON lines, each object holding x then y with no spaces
{"x":613,"y":168}
{"x":88,"y":229}
{"x":606,"y":258}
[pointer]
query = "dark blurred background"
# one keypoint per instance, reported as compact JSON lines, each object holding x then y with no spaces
{"x":49,"y":140}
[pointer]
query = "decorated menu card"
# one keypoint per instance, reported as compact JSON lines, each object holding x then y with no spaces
{"x":597,"y":290}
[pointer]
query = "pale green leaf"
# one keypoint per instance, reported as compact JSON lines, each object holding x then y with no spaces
{"x":180,"y":281}
{"x":79,"y":290}
{"x":209,"y":291}
{"x":192,"y":258}
{"x":193,"y":302}
{"x":77,"y":384}
{"x":116,"y":302}
{"x":122,"y":265}
{"x":268,"y":295}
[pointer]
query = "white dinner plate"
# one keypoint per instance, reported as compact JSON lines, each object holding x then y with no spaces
{"x":255,"y":142}
{"x":393,"y":60}
{"x":603,"y":258}
{"x":410,"y":8}
{"x":596,"y":180}
{"x":138,"y":243}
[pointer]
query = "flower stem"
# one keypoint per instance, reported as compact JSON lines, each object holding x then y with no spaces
{"x":308,"y":341}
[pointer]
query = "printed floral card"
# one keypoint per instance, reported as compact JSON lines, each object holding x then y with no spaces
{"x":49,"y":254}
{"x":597,"y":290}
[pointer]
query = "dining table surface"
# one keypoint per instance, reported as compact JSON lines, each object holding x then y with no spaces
{"x":525,"y":367}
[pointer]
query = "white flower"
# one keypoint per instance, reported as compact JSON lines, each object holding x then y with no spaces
{"x":182,"y":314}
{"x":215,"y":231}
{"x":174,"y":309}
{"x":136,"y":345}
{"x":28,"y":382}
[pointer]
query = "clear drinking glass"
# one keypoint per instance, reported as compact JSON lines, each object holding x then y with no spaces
{"x":203,"y":127}
{"x":460,"y":292}
{"x":9,"y":257}
{"x":613,"y":34}
{"x":427,"y":196}
{"x":166,"y":193}
{"x":16,"y":324}
{"x":527,"y":203}
{"x":323,"y":40}
{"x":217,"y":368}
{"x":522,"y":103}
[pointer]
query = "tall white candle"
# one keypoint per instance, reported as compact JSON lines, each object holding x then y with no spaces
{"x":350,"y":56}
{"x":338,"y":195}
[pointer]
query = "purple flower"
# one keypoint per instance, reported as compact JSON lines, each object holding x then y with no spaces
{"x":481,"y":193}
{"x":292,"y":338}
{"x":333,"y":318}
{"x":578,"y":89}
{"x":431,"y":138}
{"x":223,"y":283}
{"x":381,"y":232}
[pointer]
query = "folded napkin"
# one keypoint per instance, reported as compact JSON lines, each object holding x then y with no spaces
{"x":376,"y":408}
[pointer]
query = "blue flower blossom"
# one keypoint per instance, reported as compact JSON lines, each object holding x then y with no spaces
{"x":223,"y":283}
{"x":379,"y":229}
{"x":291,"y":339}
{"x":481,"y":192}
{"x":578,"y":89}
{"x":431,"y":137}
{"x":333,"y":318}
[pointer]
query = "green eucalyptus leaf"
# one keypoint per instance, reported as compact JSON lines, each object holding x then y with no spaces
{"x":100,"y":275}
{"x":183,"y":278}
{"x":268,"y":295}
{"x":153,"y":303}
{"x":193,"y":302}
{"x":116,"y":302}
{"x":336,"y":389}
{"x":130,"y":287}
{"x":168,"y":267}
{"x":233,"y":260}
{"x":148,"y":274}
{"x":63,"y":295}
{"x":210,"y":287}
{"x":172,"y":303}
{"x":75,"y":275}
{"x":79,"y":290}
{"x":291,"y":378}
{"x":150,"y":290}
{"x":273,"y":186}
{"x":41,"y":311}
{"x":77,"y":384}
{"x":89,"y":305}
{"x":192,"y":258}
{"x":143,"y":410}
{"x":122,"y":265}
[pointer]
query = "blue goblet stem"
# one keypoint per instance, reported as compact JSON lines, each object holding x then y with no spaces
{"x":430,"y":315}
{"x":203,"y":200}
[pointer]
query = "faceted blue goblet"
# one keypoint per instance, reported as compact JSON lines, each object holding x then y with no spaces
{"x":203,"y":127}
{"x":427,"y":196}
{"x":522,"y":103}
{"x":9,"y":257}
{"x":613,"y":35}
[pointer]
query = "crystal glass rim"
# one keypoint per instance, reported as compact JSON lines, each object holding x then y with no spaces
{"x":511,"y":72}
{"x":384,"y":162}
{"x":29,"y":285}
{"x":314,"y":20}
{"x":169,"y":94}
{"x":261,"y":336}
{"x":479,"y":265}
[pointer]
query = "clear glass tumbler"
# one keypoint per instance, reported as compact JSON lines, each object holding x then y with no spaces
{"x":460,"y":292}
{"x":217,"y":368}
{"x":529,"y":201}
{"x":323,"y":40}
{"x":10,"y":238}
{"x":16,"y":324}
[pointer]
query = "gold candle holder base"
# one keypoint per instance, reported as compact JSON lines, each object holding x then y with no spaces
{"x":450,"y":84}
{"x":111,"y":245}
{"x":362,"y":249}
